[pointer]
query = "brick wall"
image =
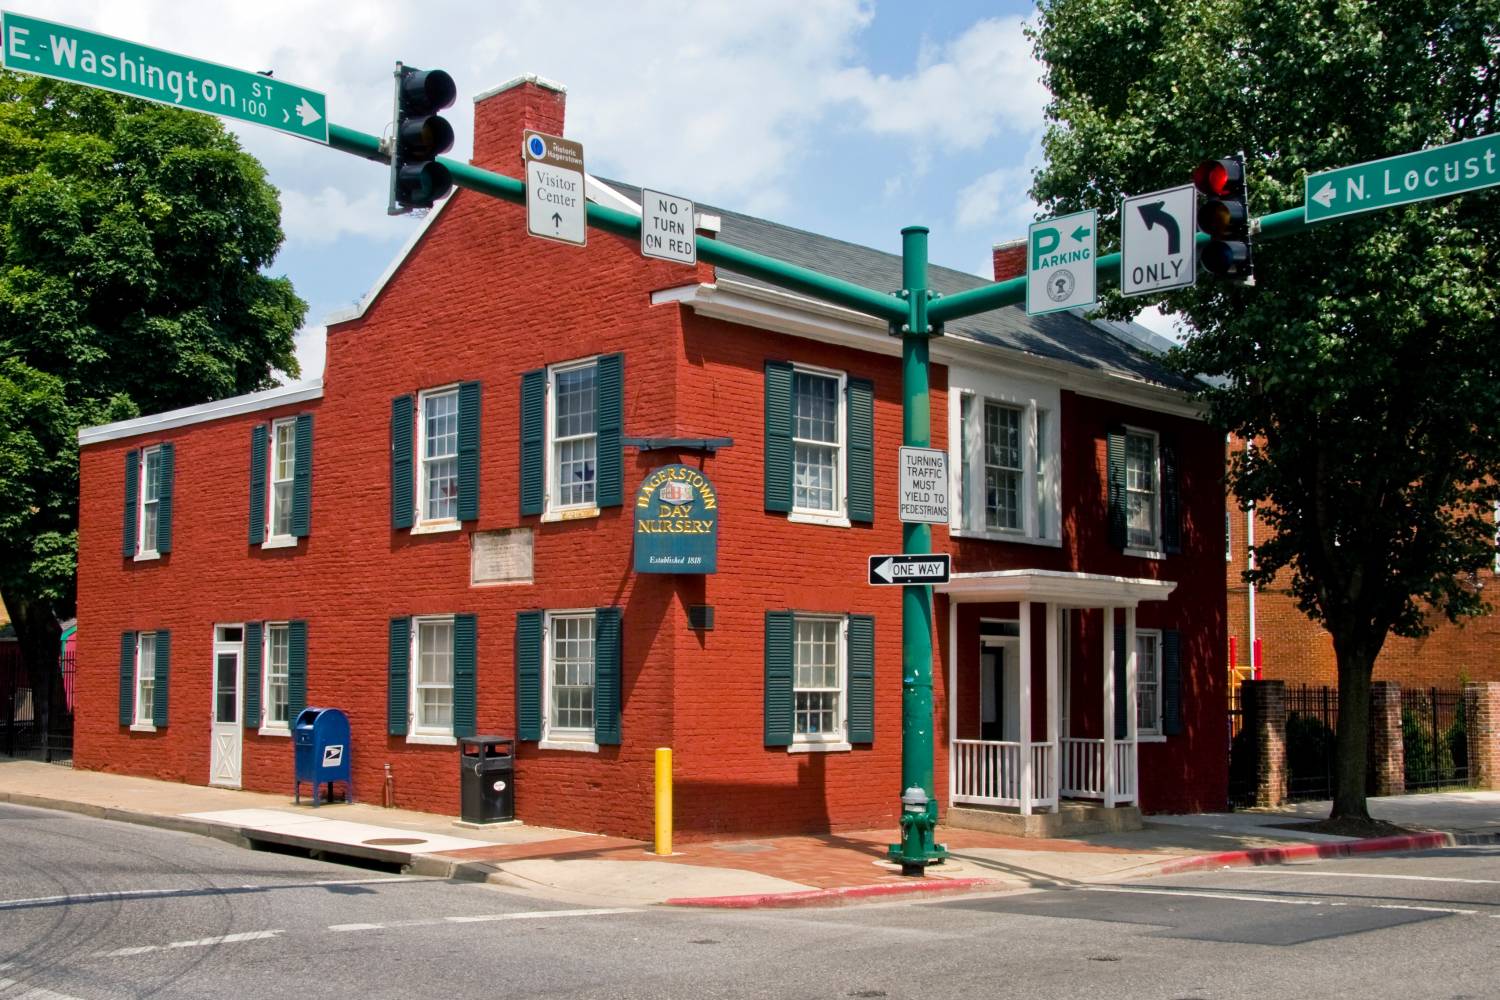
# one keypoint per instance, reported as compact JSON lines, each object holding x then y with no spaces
{"x":1484,"y":733}
{"x":1386,"y":770}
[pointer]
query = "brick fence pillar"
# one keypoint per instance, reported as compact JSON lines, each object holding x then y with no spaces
{"x":1482,"y":705}
{"x":1387,"y":758}
{"x":1264,"y":705}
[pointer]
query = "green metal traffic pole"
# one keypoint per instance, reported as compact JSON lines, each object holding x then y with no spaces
{"x":918,"y":797}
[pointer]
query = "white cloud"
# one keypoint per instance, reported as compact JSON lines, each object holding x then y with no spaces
{"x":312,"y":350}
{"x":1000,"y":200}
{"x":328,"y":214}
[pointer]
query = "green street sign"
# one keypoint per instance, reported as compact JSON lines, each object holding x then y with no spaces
{"x":31,"y":45}
{"x":1399,"y":180}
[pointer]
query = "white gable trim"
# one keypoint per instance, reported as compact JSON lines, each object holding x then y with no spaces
{"x":282,"y":395}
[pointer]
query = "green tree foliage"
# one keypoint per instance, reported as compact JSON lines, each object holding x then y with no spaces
{"x":134,"y":239}
{"x":1364,"y":363}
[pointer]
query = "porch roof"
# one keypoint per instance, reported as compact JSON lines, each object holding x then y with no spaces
{"x":1073,"y":590}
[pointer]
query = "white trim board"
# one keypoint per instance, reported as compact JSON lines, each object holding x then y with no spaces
{"x":282,"y":395}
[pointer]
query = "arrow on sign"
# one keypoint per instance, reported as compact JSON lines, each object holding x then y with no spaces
{"x":1325,"y":195}
{"x":1080,"y":234}
{"x":556,"y":220}
{"x":883,"y":570}
{"x":1153,"y":214}
{"x":307,"y":113}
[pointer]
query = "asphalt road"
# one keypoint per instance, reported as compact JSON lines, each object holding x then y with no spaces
{"x":92,"y":909}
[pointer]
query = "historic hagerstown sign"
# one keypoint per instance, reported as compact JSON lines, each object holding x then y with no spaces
{"x":676,"y":522}
{"x":1157,"y":234}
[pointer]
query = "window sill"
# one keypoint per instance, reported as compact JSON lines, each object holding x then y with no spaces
{"x":431,"y":740}
{"x":577,"y":745}
{"x":828,"y":520}
{"x":1150,"y":738}
{"x":436,"y":527}
{"x":1145,"y":553}
{"x":830,"y":747}
{"x":147,"y":556}
{"x":279,"y":542}
{"x":569,"y":514}
{"x":1004,"y":536}
{"x":274,"y":731}
{"x":142,"y":727}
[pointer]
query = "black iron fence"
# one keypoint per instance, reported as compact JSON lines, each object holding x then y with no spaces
{"x":32,"y":724}
{"x":1312,"y":718}
{"x":1435,"y":739}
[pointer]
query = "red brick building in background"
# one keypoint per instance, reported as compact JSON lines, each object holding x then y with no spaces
{"x":437,"y":537}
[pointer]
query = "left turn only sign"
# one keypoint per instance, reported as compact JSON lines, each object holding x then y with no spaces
{"x":1060,"y":263}
{"x":556,"y":205}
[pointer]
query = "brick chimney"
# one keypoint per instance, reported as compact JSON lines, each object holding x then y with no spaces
{"x":502,"y":114}
{"x":1010,"y":259}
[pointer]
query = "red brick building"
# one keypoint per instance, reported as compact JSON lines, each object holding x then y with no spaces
{"x":1298,"y":651}
{"x":437,"y":537}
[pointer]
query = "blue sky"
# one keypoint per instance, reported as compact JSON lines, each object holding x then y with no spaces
{"x":852,"y":119}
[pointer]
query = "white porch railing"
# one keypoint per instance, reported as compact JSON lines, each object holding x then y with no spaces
{"x":1083,"y":770}
{"x":988,"y":772}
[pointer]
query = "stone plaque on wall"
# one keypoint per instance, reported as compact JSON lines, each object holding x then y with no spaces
{"x":500,"y":556}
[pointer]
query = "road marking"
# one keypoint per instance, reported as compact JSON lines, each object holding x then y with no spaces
{"x":32,"y":993}
{"x":1424,"y":909}
{"x":207,"y":942}
{"x":1204,"y":895}
{"x":129,"y":894}
{"x":1403,"y":878}
{"x":478,"y":918}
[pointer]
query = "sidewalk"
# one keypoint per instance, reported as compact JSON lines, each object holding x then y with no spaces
{"x":781,"y":871}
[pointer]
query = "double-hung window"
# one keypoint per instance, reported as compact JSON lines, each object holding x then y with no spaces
{"x":1148,"y":683}
{"x":1006,"y":473}
{"x":438,"y":455}
{"x":150,"y":500}
{"x":570,"y":677}
{"x":817,"y":442}
{"x":818,"y":680}
{"x":283,"y":468}
{"x":432,"y":677}
{"x":1142,"y":490}
{"x":145,"y":678}
{"x":1004,"y":467}
{"x":278,"y":675}
{"x":575,"y":435}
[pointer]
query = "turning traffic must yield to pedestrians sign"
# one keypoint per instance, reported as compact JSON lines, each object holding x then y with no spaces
{"x":908,"y":570}
{"x":556,"y":205}
{"x":1060,"y":256}
{"x":1399,"y":180}
{"x":1157,"y":240}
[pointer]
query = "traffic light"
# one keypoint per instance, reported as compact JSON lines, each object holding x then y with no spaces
{"x":1225,"y":217}
{"x":421,"y":135}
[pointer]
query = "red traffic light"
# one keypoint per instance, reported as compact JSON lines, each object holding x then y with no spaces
{"x":1218,"y":178}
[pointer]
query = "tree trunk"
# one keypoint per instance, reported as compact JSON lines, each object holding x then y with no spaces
{"x":40,"y":636}
{"x":1352,"y":744}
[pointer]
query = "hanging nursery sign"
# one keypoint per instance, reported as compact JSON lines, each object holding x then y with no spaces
{"x":676,"y":522}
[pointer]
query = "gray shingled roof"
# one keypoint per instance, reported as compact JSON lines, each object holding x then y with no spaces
{"x":1061,"y":336}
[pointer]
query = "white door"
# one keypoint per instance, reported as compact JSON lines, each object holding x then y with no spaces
{"x":224,"y":763}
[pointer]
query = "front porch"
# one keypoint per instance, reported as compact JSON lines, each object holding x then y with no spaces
{"x":1026,"y":751}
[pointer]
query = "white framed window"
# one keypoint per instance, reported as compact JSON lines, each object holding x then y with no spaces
{"x":150,"y":494}
{"x":818,"y":453}
{"x":1148,"y":682}
{"x":573,"y":435}
{"x":1004,"y":457}
{"x":819,"y":680}
{"x":568,"y":677}
{"x":1142,"y":490}
{"x":437,"y":455}
{"x":283,"y":460}
{"x":145,"y":679}
{"x":275,"y":695}
{"x":432,"y":676}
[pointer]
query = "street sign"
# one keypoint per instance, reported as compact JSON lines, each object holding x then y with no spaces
{"x":924,"y":485}
{"x":667,"y":231}
{"x":1060,"y":263}
{"x":556,"y":208}
{"x":1157,"y":239}
{"x":1399,"y":180}
{"x":45,"y":48}
{"x":908,"y":571}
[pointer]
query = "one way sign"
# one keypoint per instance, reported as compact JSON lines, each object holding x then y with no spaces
{"x":908,"y":571}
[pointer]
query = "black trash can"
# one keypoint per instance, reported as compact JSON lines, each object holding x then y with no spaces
{"x":487,"y":787}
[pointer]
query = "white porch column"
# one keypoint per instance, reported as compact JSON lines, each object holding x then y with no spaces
{"x":1054,"y":755}
{"x":1132,"y":717}
{"x":1023,"y":677}
{"x":1109,"y":707}
{"x":952,"y":698}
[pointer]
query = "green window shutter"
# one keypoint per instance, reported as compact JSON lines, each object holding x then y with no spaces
{"x":1115,"y":470}
{"x":528,"y":675}
{"x":778,"y":710}
{"x":1171,"y":682}
{"x":132,"y":511}
{"x":861,"y":679}
{"x":778,"y":468}
{"x":861,"y":436}
{"x":163,"y":670}
{"x":468,"y":451}
{"x":397,"y":704}
{"x":607,"y":676}
{"x":533,"y":441}
{"x":403,"y":419}
{"x":465,"y":628}
{"x":302,"y":458}
{"x":127,"y":678}
{"x":1171,"y":503}
{"x":1122,"y":703}
{"x":164,"y":502}
{"x":252,"y":674}
{"x":259,"y":444}
{"x":296,"y":669}
{"x":609,"y":489}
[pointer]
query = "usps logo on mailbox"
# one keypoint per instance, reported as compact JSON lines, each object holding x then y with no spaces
{"x":333,"y":755}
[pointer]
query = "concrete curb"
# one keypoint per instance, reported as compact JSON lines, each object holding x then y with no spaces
{"x":837,"y":896}
{"x":161,"y":821}
{"x":1313,"y":852}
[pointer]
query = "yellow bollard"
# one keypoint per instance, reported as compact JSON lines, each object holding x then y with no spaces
{"x":663,"y":801}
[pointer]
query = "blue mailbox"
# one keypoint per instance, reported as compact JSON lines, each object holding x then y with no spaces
{"x":320,"y":739}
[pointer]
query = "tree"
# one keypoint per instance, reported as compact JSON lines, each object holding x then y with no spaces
{"x":1363,"y":364}
{"x":133,"y":238}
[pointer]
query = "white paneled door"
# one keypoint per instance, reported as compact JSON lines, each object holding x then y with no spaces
{"x":228,"y":734}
